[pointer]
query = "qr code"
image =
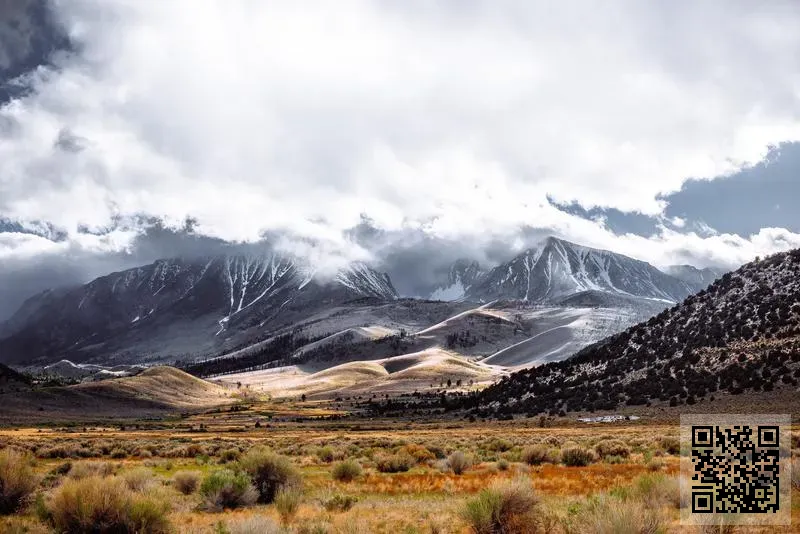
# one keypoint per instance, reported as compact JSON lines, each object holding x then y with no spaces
{"x":735,"y":466}
{"x":736,"y":469}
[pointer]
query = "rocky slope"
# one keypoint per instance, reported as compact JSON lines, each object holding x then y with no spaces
{"x":177,"y":306}
{"x":741,"y":334}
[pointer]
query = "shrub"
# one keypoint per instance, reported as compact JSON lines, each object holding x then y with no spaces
{"x":504,"y":507}
{"x":17,"y":481}
{"x":270,"y":473}
{"x":92,"y":469}
{"x":287,"y":501}
{"x":539,"y":454}
{"x":229,"y":455}
{"x":346,"y":471}
{"x":612,"y":447}
{"x":105,"y":505}
{"x":394,"y":463}
{"x":657,"y":490}
{"x":118,"y":453}
{"x":419,"y":453}
{"x":339,"y":502}
{"x":502,"y":464}
{"x":186,"y":481}
{"x":670,"y":445}
{"x":577,"y":456}
{"x":459,"y":462}
{"x":138,"y":479}
{"x":227,"y":489}
{"x":325,"y":454}
{"x":607,"y":515}
{"x":257,"y":524}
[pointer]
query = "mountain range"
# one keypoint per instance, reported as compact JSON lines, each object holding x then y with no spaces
{"x":542,"y":305}
{"x":741,"y":334}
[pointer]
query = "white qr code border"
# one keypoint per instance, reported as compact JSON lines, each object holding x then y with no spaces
{"x":695,"y":450}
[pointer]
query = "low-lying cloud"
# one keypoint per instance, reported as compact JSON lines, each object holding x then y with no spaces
{"x":459,"y":122}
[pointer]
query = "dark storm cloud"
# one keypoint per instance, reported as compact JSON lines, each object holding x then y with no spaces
{"x":28,"y":38}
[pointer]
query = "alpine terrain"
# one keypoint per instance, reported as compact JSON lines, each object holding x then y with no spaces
{"x":271,"y":315}
{"x":742,"y":334}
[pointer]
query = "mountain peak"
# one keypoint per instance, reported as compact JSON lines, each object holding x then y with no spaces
{"x":557,"y":268}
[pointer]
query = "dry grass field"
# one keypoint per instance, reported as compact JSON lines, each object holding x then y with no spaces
{"x":251,"y":468}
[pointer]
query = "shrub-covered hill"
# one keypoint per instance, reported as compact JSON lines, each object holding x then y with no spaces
{"x":741,"y":333}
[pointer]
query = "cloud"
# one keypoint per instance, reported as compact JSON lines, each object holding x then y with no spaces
{"x":459,"y":122}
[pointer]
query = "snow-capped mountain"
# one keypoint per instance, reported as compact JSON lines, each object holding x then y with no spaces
{"x":740,"y":334}
{"x":557,"y":269}
{"x":461,"y":277}
{"x":196,"y":300}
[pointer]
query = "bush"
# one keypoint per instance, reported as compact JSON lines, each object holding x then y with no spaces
{"x":325,"y":455}
{"x":459,"y":462}
{"x":186,"y":481}
{"x":670,"y":445}
{"x":346,"y":471}
{"x":504,"y":507}
{"x":577,"y":456}
{"x":394,"y":463}
{"x":612,"y":447}
{"x":253,"y":525}
{"x":229,"y":455}
{"x":138,"y":479}
{"x":270,"y":473}
{"x":95,"y":505}
{"x":17,"y":481}
{"x":502,"y":464}
{"x":339,"y":502}
{"x":607,"y":515}
{"x":118,"y":454}
{"x":227,"y":489}
{"x":539,"y":454}
{"x":287,"y":501}
{"x":92,"y":469}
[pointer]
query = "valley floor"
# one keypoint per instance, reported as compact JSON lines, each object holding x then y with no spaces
{"x":409,"y":479}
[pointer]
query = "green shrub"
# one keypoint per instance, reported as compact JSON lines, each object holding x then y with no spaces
{"x":325,"y":454}
{"x":577,"y":456}
{"x":287,"y":501}
{"x":459,"y":462}
{"x":540,"y":454}
{"x":394,"y":463}
{"x":186,"y":482}
{"x":105,"y":505}
{"x":670,"y":445}
{"x":339,"y":502}
{"x":229,"y":455}
{"x":504,"y":507}
{"x":118,"y":453}
{"x":502,"y":464}
{"x":346,"y":471}
{"x":227,"y":489}
{"x":17,"y":480}
{"x":612,"y":447}
{"x":269,"y":472}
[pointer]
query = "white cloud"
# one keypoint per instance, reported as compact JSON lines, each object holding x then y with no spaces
{"x":458,"y":119}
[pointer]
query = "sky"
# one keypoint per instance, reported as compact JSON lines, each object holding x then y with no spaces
{"x":405,"y":134}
